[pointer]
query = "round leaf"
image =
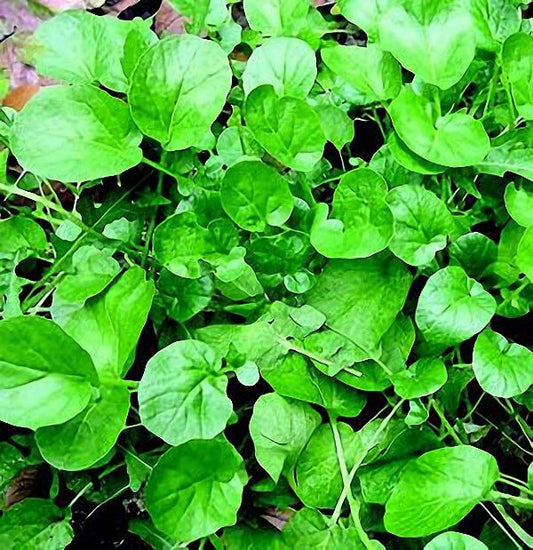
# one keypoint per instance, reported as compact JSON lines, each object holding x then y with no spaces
{"x":361,"y":223}
{"x":438,"y":489}
{"x":75,"y":133}
{"x":287,"y":64}
{"x":276,"y":17}
{"x":455,"y":541}
{"x":89,"y":436}
{"x":422,"y":378}
{"x":196,"y":489}
{"x":452,"y":307}
{"x":182,"y":394}
{"x":421,"y":223}
{"x":178,"y":89}
{"x":46,"y":376}
{"x":501,"y":368}
{"x":519,"y":203}
{"x":288,"y":128}
{"x":254,"y":195}
{"x":435,"y":137}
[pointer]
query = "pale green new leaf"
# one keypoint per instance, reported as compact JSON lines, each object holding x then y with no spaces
{"x":361,"y":222}
{"x":439,"y":489}
{"x":287,"y":64}
{"x":455,"y":541}
{"x":196,"y":489}
{"x":182,"y":394}
{"x":524,"y":253}
{"x":89,"y":436}
{"x":421,"y":224}
{"x":502,"y":368}
{"x":280,"y":429}
{"x":82,"y":48}
{"x":277,"y":17}
{"x":75,"y":134}
{"x":338,"y":127}
{"x":435,"y":137}
{"x":254,"y":196}
{"x":452,"y":308}
{"x":371,"y":72}
{"x":495,"y":20}
{"x":178,"y":89}
{"x":422,"y":378}
{"x":519,"y":203}
{"x":47,"y":377}
{"x":288,"y":128}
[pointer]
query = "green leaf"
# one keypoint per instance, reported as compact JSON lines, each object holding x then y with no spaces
{"x":439,"y":489}
{"x":435,"y":39}
{"x":421,"y":223}
{"x":422,"y":378}
{"x":318,"y":477}
{"x":179,"y":244}
{"x":517,"y":63}
{"x":361,"y":298}
{"x":311,"y":529}
{"x":280,"y":429}
{"x":12,"y":461}
{"x":474,"y":252}
{"x":109,"y":325}
{"x":287,"y":64}
{"x":235,"y":278}
{"x":82,"y":48}
{"x":435,"y":137}
{"x":511,"y":152}
{"x":452,"y":308}
{"x":178,"y":89}
{"x":196,"y":489}
{"x":34,"y":524}
{"x":361,"y":223}
{"x":288,"y":128}
{"x":201,"y":15}
{"x":21,"y":238}
{"x":519,"y":203}
{"x":254,"y":195}
{"x":524,"y":253}
{"x":47,"y":377}
{"x":371,"y":72}
{"x":338,"y":127}
{"x":495,"y":20}
{"x":89,"y":436}
{"x":145,"y":529}
{"x":409,"y":160}
{"x":276,"y":17}
{"x":75,"y":133}
{"x":457,"y":541}
{"x":92,"y":271}
{"x":182,"y":394}
{"x":501,"y":368}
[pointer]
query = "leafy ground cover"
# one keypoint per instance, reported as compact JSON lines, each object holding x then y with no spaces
{"x":267,"y":283}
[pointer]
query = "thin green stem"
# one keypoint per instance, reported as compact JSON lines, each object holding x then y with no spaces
{"x":446,"y":424}
{"x":159,"y":168}
{"x":80,"y":494}
{"x":500,"y":525}
{"x":518,"y":486}
{"x":519,"y":502}
{"x":117,"y":382}
{"x":379,"y":123}
{"x":436,"y":100}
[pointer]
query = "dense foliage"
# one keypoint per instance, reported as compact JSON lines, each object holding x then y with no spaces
{"x":267,"y":284}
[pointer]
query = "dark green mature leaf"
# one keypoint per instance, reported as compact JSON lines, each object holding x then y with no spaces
{"x":517,"y":62}
{"x":108,"y":326}
{"x":371,"y":72}
{"x":452,"y":308}
{"x":439,"y":489}
{"x":361,"y":224}
{"x":196,"y":489}
{"x":435,"y":39}
{"x":361,"y":298}
{"x":280,"y":429}
{"x":288,"y":128}
{"x":501,"y":368}
{"x":47,"y":377}
{"x":182,"y":395}
{"x":254,"y":195}
{"x":177,"y":90}
{"x":82,"y":48}
{"x":287,"y":64}
{"x":435,"y":137}
{"x":34,"y":524}
{"x":524,"y":253}
{"x":75,"y":133}
{"x":89,"y":436}
{"x":421,"y":223}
